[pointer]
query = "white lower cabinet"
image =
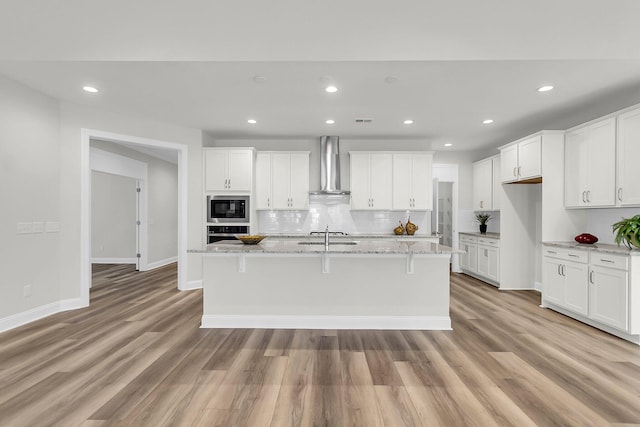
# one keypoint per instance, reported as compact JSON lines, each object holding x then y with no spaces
{"x":469,"y":259}
{"x":592,"y":284}
{"x":609,"y":292}
{"x":481,"y":258}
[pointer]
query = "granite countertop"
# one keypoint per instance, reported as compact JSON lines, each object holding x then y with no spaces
{"x":477,"y":233}
{"x":596,"y":247}
{"x":292,"y":246}
{"x":355,"y":236}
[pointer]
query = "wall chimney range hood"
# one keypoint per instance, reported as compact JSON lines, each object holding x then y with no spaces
{"x":330,"y":168}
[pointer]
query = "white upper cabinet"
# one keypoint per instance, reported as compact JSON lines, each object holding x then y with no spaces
{"x":228,"y":170}
{"x":371,"y":176}
{"x":497,"y":183}
{"x":590,"y":165}
{"x":412,"y":181}
{"x":628,"y":171}
{"x":521,"y":160}
{"x":483,"y":185}
{"x":282,"y":180}
{"x":263,"y":181}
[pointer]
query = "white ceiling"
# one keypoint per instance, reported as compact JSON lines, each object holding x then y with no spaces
{"x":456,"y":64}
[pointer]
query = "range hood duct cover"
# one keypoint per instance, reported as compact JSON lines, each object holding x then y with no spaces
{"x":330,"y":167}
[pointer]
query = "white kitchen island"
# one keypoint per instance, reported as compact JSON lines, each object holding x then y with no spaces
{"x":280,"y":283}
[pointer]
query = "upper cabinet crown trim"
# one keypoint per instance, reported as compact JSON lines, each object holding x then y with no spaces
{"x":542,"y":132}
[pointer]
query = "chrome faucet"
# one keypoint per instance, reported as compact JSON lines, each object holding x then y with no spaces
{"x":326,"y":233}
{"x":326,"y":238}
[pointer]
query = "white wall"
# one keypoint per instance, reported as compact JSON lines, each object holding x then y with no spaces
{"x":29,"y":188}
{"x":599,"y":222}
{"x":74,"y":118}
{"x":162,"y":199}
{"x":113,"y":216}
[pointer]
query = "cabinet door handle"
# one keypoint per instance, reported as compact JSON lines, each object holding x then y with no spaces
{"x":481,"y":204}
{"x":519,"y":167}
{"x":589,"y":196}
{"x":515,"y":171}
{"x":591,"y":278}
{"x":268,"y":202}
{"x":564,"y":271}
{"x":584,"y":197}
{"x":620,"y":193}
{"x":559,"y":270}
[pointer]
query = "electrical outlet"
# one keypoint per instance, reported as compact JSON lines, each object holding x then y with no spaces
{"x":26,"y":291}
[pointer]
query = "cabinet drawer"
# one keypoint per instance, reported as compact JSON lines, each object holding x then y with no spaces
{"x":489,"y":242}
{"x":465,"y":238}
{"x":566,"y":254}
{"x":602,"y":259}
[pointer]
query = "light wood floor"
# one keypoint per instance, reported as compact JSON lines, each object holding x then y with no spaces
{"x":137,"y":357}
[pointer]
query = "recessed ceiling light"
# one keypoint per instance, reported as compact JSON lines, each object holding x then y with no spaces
{"x":331,"y":89}
{"x":448,"y":144}
{"x":89,"y":89}
{"x":408,"y":122}
{"x":330,"y":121}
{"x":391,"y":79}
{"x":545,"y":88}
{"x":252,"y":121}
{"x":487,"y":122}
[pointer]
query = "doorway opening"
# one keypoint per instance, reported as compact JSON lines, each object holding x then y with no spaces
{"x":88,"y":164}
{"x":444,"y":217}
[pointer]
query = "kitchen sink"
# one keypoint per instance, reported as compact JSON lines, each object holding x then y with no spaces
{"x":348,"y":242}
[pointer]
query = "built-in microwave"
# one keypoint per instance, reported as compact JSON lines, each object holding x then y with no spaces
{"x":221,"y":209}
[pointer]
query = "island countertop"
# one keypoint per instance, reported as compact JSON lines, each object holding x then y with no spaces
{"x":337,"y":246}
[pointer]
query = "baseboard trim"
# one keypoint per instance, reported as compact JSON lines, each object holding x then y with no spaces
{"x":113,"y":260}
{"x":327,"y":322}
{"x":37,"y":313}
{"x":161,"y":263}
{"x":635,"y":338}
{"x":193,"y":284}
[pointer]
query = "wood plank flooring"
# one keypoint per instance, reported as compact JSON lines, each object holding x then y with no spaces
{"x":137,"y":357}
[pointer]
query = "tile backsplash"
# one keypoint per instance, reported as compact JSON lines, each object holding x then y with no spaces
{"x":335,"y":212}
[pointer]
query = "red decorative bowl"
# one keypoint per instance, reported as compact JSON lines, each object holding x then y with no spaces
{"x":586,"y":238}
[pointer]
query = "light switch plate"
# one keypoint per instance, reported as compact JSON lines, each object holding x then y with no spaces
{"x":52,"y":226}
{"x":24,"y":228}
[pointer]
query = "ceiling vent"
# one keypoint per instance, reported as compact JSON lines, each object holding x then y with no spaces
{"x":363,"y":121}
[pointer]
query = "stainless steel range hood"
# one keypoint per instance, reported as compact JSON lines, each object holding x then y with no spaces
{"x":330,"y":167}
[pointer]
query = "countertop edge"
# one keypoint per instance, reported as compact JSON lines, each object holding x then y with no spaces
{"x":602,"y":247}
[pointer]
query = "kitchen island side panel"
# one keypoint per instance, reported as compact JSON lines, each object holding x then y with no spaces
{"x":378,"y":290}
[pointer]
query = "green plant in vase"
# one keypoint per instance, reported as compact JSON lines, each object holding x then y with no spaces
{"x":627,"y":230}
{"x":483,"y":218}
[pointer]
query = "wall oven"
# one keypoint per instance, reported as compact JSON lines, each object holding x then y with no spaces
{"x":216,"y":233}
{"x":225,"y":209}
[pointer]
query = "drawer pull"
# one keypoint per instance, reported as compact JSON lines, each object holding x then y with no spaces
{"x":574,"y":256}
{"x":552,"y":252}
{"x":607,"y":260}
